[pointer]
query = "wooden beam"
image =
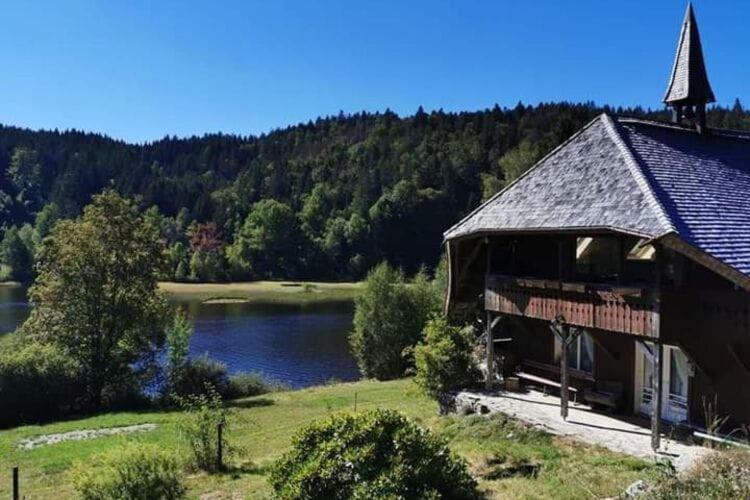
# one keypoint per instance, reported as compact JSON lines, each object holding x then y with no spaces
{"x":490,"y":353}
{"x":564,"y":394}
{"x":659,"y":354}
{"x":449,"y":291}
{"x":656,"y":398}
{"x":674,"y":242}
{"x":566,"y":335}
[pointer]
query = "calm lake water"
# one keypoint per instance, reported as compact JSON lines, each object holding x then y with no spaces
{"x":299,"y":345}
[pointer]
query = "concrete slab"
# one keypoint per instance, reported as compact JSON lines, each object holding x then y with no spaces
{"x":617,"y":433}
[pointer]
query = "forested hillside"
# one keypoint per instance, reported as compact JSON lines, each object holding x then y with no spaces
{"x":326,"y":199}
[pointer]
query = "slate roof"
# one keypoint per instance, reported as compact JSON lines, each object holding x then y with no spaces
{"x":703,"y":183}
{"x":689,"y":81}
{"x":644,"y":178}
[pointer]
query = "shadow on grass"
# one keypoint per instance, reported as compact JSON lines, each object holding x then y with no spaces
{"x":250,"y":403}
{"x":235,"y":471}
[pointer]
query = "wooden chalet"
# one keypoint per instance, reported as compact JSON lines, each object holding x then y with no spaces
{"x":619,"y":265}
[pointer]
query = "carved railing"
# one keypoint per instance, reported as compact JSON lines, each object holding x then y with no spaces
{"x":623,"y":309}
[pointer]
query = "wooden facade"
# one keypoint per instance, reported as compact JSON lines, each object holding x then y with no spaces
{"x":666,"y":304}
{"x":629,"y":310}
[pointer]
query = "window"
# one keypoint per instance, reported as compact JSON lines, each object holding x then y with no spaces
{"x":580,"y":353}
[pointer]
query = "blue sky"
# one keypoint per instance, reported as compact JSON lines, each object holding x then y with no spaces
{"x":139,"y":70}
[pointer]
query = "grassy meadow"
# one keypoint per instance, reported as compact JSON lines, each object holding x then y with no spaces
{"x":261,"y":291}
{"x":264,"y":426}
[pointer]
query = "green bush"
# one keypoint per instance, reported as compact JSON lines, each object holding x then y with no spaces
{"x":719,"y":475}
{"x":247,"y":384}
{"x":444,"y":359}
{"x":204,"y":413}
{"x":376,"y":454}
{"x":196,"y":374}
{"x":37,"y":382}
{"x":134,"y":471}
{"x":388,"y":321}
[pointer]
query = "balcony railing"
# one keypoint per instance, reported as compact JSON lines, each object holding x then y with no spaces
{"x":615,"y":308}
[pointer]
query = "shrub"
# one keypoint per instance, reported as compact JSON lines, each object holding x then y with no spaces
{"x":196,"y":374}
{"x":246,"y":384}
{"x":37,"y":381}
{"x":204,"y":413}
{"x":134,"y":471}
{"x":444,"y":359}
{"x":719,"y":475}
{"x":388,"y":320}
{"x":376,"y":454}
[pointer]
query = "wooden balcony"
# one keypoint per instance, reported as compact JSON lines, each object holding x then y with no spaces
{"x":629,"y":310}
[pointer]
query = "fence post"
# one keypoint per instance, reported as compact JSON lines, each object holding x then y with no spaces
{"x":219,"y":451}
{"x":16,"y":492}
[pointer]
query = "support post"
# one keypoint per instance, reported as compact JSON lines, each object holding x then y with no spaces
{"x":658,"y":351}
{"x":16,"y":491}
{"x":566,"y":335}
{"x":564,"y":396}
{"x":490,"y":353}
{"x":656,"y":398}
{"x":219,"y":450}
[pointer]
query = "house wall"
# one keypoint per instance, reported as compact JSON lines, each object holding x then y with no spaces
{"x":701,"y":312}
{"x":614,"y":355}
{"x":720,"y":352}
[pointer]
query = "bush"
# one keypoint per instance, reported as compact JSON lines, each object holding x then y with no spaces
{"x":247,"y":384}
{"x":134,"y":471}
{"x":444,"y":359}
{"x":719,"y":475}
{"x":196,"y":374}
{"x":388,"y":321}
{"x":376,"y":454}
{"x":204,"y":413}
{"x":37,"y":381}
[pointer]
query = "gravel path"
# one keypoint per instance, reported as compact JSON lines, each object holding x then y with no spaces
{"x":583,"y":424}
{"x":36,"y":442}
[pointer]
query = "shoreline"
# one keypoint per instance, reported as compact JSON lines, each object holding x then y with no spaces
{"x":261,"y":291}
{"x":251,"y":291}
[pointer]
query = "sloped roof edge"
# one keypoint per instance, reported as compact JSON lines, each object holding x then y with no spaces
{"x":458,"y":224}
{"x":637,"y":172}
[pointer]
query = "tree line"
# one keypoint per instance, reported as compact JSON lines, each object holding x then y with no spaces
{"x":326,"y":199}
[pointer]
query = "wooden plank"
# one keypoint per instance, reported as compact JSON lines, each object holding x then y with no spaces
{"x":541,"y":380}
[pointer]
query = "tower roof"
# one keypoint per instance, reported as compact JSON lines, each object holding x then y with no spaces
{"x":689,"y":81}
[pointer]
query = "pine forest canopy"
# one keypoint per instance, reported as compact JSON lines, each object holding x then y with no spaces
{"x":338,"y":194}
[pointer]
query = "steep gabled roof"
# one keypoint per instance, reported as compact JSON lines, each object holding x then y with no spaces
{"x":634,"y":176}
{"x":689,"y":81}
{"x":589,"y":182}
{"x":703,"y":183}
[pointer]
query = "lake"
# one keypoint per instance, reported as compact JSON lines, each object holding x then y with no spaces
{"x":297,"y":344}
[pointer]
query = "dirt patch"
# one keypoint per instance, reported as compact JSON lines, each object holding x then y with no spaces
{"x":80,"y":435}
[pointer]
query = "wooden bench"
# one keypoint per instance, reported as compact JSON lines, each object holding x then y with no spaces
{"x":545,"y":382}
{"x":609,"y":394}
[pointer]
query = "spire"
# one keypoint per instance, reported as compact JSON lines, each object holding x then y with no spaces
{"x":688,"y":91}
{"x":689,"y":82}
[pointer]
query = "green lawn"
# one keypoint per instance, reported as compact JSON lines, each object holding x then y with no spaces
{"x":262,"y":291}
{"x":265,"y":424}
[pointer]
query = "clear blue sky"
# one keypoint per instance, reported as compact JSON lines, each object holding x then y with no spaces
{"x":140,"y":70}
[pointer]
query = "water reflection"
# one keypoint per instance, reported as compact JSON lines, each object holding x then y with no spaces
{"x":299,"y":345}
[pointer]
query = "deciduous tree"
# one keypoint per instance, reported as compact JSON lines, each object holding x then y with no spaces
{"x":96,"y":294}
